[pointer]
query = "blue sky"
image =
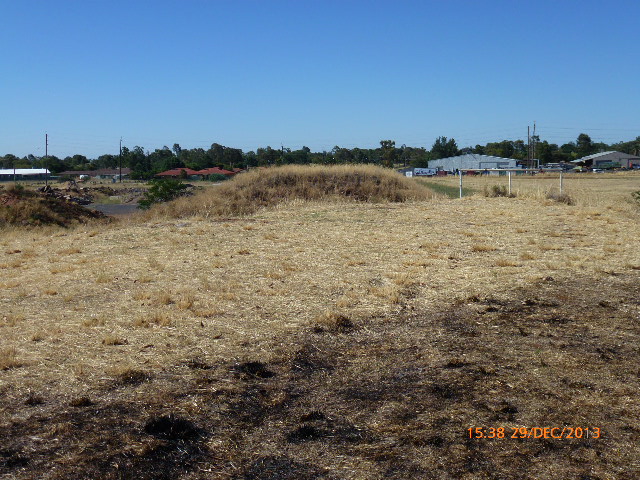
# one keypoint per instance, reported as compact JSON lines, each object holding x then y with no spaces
{"x":248,"y":74}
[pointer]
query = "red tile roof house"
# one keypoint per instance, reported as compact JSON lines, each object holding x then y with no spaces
{"x":177,"y":172}
{"x":215,"y":171}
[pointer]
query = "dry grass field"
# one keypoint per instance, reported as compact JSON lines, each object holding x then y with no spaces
{"x":328,"y":339}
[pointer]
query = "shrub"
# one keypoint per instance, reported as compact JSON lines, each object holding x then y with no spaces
{"x":161,"y":191}
{"x":561,"y":198}
{"x":498,"y":191}
{"x":636,"y":196}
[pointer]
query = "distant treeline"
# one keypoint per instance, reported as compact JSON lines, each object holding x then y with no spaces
{"x":145,"y":164}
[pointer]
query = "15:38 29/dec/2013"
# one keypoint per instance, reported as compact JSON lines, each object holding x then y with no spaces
{"x":566,"y":433}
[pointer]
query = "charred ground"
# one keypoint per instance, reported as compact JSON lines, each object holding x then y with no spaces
{"x":382,"y":397}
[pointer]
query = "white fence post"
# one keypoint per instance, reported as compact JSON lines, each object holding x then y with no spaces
{"x":460,"y":173}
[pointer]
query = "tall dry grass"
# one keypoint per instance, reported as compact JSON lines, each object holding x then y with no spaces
{"x":249,"y":192}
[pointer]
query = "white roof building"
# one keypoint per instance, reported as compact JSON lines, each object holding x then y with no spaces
{"x":8,"y":174}
{"x":24,"y":171}
{"x":472,"y":161}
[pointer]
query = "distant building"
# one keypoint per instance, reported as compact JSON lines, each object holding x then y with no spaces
{"x":178,"y":172}
{"x":472,"y":161}
{"x":215,"y":171}
{"x":604,"y":159}
{"x":8,"y":174}
{"x":101,"y":173}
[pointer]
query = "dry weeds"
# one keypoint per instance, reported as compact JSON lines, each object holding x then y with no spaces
{"x":356,"y":340}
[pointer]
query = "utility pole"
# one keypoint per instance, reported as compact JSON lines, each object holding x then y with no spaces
{"x":528,"y":148}
{"x":533,"y":157}
{"x":120,"y":160}
{"x":46,"y":159}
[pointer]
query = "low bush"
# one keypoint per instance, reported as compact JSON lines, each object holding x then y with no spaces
{"x":561,"y":198}
{"x":498,"y":191}
{"x":163,"y":190}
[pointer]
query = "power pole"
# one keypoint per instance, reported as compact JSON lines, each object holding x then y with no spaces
{"x":528,"y":148}
{"x":533,"y":158}
{"x":120,"y":160}
{"x":46,"y":159}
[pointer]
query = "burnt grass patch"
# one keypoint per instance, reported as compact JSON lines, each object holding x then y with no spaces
{"x":393,"y":400}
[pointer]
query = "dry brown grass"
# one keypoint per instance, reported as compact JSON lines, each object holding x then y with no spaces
{"x":114,"y":340}
{"x":482,"y":247}
{"x":584,"y":189}
{"x":259,"y":188}
{"x":9,"y":358}
{"x":21,"y":207}
{"x":356,"y":340}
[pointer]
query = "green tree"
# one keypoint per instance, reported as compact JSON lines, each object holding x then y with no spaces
{"x":584,"y":145}
{"x":162,"y":190}
{"x":388,"y":152}
{"x":443,"y":148}
{"x":232,"y":157}
{"x":9,"y":160}
{"x":267,"y":156}
{"x":215,"y":154}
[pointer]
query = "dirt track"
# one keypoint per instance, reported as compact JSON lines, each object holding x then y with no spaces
{"x":114,"y":209}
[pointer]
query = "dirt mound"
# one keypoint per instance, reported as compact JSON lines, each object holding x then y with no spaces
{"x":22,"y":207}
{"x":247,"y":193}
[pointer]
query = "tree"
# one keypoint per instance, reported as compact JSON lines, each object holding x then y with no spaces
{"x":250,"y":159}
{"x":388,"y":153}
{"x":163,"y":159}
{"x":9,"y":160}
{"x":106,"y":161}
{"x":232,"y":157}
{"x":177,"y":149}
{"x":584,"y":145}
{"x":196,"y":158}
{"x":444,"y":148}
{"x":215,"y":154}
{"x":267,"y":156}
{"x":342,"y":155}
{"x":137,"y":161}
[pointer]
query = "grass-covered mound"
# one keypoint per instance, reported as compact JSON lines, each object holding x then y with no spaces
{"x":259,"y":188}
{"x":22,"y":207}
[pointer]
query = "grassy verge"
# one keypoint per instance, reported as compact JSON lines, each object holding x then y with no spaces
{"x":448,"y":190}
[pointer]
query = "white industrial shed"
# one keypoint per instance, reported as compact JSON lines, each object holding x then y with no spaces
{"x":23,"y":173}
{"x":472,"y":161}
